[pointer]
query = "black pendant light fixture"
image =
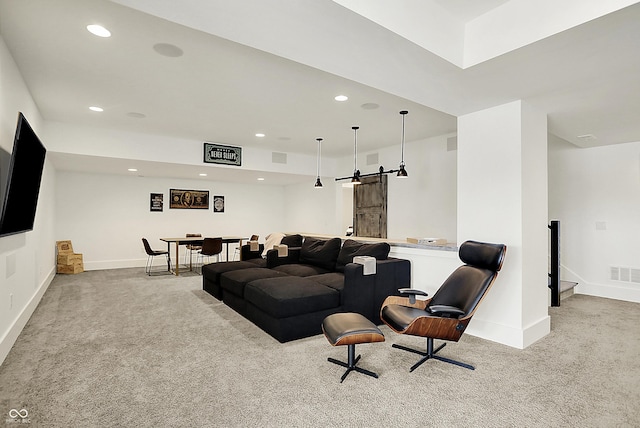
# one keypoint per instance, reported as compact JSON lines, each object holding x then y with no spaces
{"x":355,"y":178}
{"x":318,"y":184}
{"x":356,"y":172}
{"x":402,"y":172}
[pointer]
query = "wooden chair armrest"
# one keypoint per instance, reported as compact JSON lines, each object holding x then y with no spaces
{"x":404,"y":301}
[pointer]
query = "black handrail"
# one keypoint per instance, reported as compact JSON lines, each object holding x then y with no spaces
{"x":554,"y":275}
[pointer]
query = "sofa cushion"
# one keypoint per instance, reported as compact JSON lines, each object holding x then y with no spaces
{"x":214,"y":270}
{"x":334,"y":280}
{"x":235,"y":281}
{"x":292,"y":240}
{"x":259,"y":262}
{"x":291,"y":296}
{"x":298,"y":269}
{"x":352,"y":248}
{"x":320,"y":252}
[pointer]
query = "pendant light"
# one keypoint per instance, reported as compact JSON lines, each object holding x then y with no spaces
{"x":318,"y":184}
{"x":402,"y":173}
{"x":356,"y":173}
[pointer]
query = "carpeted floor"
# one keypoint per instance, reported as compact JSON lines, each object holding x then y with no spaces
{"x":119,"y":349}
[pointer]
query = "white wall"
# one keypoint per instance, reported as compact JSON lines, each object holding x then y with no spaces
{"x":27,"y":260}
{"x":105,"y":216}
{"x":502,"y":198}
{"x":312,"y":210}
{"x":595,"y":194}
{"x":425,"y":204}
{"x":110,"y":143}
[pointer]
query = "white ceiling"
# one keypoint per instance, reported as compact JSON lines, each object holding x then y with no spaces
{"x":586,"y":78}
{"x":466,"y":10}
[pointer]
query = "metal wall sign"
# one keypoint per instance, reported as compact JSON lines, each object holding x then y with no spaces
{"x":225,"y":155}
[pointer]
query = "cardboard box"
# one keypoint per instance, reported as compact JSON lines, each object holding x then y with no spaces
{"x":72,"y":269}
{"x":69,"y":258}
{"x":64,"y":247}
{"x":427,"y":241}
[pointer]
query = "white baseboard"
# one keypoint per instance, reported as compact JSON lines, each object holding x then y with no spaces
{"x":628,"y":294}
{"x":515,"y":337}
{"x":117,"y":264}
{"x":10,"y":337}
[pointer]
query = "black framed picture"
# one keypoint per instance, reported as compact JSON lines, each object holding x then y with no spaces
{"x":156,"y":202}
{"x":189,"y":199}
{"x":218,"y":204}
{"x":221,"y":154}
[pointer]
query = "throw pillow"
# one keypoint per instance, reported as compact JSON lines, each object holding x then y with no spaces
{"x":352,"y":248}
{"x":292,"y":241}
{"x":271,"y":240}
{"x":320,"y":252}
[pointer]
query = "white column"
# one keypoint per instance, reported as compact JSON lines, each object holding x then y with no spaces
{"x":502,"y":198}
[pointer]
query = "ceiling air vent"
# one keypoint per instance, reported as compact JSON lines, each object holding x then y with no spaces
{"x":278,"y":157}
{"x":372,"y":159}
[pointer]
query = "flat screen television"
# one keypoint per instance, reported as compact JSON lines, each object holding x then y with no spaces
{"x":23,"y":177}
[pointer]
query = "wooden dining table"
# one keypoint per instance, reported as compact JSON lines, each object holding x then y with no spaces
{"x":197,"y":240}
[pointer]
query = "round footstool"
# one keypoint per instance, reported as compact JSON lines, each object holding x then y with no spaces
{"x":350,"y":329}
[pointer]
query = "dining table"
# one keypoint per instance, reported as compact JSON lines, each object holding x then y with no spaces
{"x":197,"y":240}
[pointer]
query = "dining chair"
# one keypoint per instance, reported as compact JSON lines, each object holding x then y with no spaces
{"x":211,"y":247}
{"x":192,"y":248}
{"x":151,"y":254}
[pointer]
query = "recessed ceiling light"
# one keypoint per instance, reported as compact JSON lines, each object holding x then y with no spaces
{"x":341,"y":98}
{"x":98,"y":30}
{"x":202,"y":174}
{"x":132,"y":170}
{"x":259,"y":135}
{"x":166,"y":49}
{"x":587,"y":137}
{"x":260,"y":179}
{"x":96,"y":108}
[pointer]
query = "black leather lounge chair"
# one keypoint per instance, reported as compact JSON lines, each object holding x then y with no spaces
{"x":446,"y":315}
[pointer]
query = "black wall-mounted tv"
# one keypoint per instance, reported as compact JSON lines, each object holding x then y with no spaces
{"x":23,"y":177}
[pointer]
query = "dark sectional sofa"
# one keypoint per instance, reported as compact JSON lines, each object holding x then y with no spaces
{"x":289,"y":297}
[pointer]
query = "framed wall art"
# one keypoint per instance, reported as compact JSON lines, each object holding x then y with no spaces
{"x":218,"y":204}
{"x":189,"y":199}
{"x":156,"y":202}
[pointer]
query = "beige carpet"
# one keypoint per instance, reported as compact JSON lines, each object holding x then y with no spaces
{"x":119,"y":349}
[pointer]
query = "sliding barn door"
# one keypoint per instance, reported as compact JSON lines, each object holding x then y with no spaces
{"x":370,"y":207}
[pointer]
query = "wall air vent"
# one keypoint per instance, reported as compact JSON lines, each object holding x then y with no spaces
{"x":624,"y":274}
{"x":615,"y":273}
{"x":278,"y":157}
{"x":452,"y":144}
